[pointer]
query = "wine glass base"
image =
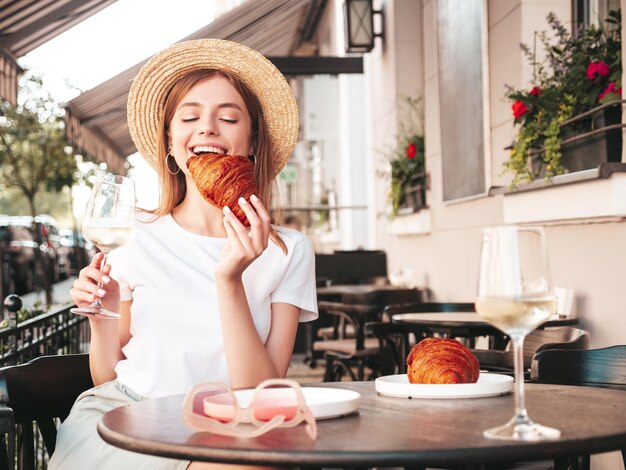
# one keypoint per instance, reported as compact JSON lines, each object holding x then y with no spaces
{"x":97,"y":312}
{"x":526,"y":430}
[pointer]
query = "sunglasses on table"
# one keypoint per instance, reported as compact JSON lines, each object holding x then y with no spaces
{"x":273,"y":403}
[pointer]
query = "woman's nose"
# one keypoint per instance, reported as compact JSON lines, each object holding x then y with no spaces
{"x":208,"y":127}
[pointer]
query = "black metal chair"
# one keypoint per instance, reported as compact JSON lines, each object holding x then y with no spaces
{"x":355,"y":267}
{"x":40,"y":391}
{"x":604,"y":367}
{"x":563,"y":337}
{"x":362,"y":351}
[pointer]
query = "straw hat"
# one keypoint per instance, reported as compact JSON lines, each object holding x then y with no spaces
{"x":146,"y":99}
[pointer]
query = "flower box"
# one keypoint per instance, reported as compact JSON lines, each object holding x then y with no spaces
{"x":588,"y":140}
{"x":588,"y":150}
{"x":414,"y":196}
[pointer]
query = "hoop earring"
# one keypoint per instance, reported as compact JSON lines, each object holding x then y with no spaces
{"x":252,"y":157}
{"x":167,"y":163}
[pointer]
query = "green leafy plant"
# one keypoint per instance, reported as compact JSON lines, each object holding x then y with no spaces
{"x":407,"y":158}
{"x":579,"y":73}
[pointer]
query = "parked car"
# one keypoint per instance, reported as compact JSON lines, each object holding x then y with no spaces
{"x":18,"y":246}
{"x":58,"y":253}
{"x":81,"y":250}
{"x":17,"y":252}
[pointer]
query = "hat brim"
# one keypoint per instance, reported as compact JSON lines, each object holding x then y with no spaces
{"x":146,"y":99}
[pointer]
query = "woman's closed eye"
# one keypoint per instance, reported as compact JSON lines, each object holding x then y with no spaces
{"x":229,"y":120}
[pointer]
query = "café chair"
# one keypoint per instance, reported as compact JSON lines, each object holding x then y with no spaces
{"x":604,"y":367}
{"x":361,"y":352}
{"x":41,"y":391}
{"x":562,"y":337}
{"x":394,"y":342}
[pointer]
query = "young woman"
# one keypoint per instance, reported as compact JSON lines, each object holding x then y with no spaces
{"x":202,"y":297}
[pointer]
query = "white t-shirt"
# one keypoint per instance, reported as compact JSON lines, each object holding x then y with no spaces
{"x":168,"y":273}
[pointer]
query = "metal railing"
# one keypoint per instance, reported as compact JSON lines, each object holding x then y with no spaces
{"x":51,"y":333}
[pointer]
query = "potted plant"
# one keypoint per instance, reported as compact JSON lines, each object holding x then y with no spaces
{"x":576,"y":90}
{"x":407,"y":193}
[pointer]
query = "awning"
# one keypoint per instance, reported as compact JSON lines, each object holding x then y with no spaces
{"x":27,"y":24}
{"x":96,"y":119}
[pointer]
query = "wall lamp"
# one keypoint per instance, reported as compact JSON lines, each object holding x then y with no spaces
{"x":359,"y":25}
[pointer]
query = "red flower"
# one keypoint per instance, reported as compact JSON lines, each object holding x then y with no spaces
{"x":610,"y":89}
{"x":519,"y":109}
{"x":410,"y":151}
{"x":536,"y":91}
{"x":599,"y":68}
{"x":603,"y":69}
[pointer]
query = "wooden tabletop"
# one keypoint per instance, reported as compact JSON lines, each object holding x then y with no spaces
{"x":387,"y":431}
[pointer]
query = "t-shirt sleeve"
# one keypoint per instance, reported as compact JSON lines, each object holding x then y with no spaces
{"x":119,"y":271}
{"x":297,"y":286}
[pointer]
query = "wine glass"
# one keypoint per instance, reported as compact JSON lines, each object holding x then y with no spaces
{"x":108,"y":223}
{"x":515,"y":295}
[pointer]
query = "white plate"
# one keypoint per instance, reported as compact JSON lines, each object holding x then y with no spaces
{"x":324,"y":403}
{"x":488,"y":385}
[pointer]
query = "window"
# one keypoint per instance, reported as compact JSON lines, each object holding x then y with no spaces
{"x":460,"y":36}
{"x":587,"y":12}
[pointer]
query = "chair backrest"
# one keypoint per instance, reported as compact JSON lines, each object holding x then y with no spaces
{"x":605,"y":367}
{"x":562,"y":337}
{"x":41,"y":390}
{"x":351,"y":267}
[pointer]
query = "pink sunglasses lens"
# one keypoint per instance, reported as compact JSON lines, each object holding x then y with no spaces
{"x":273,"y":401}
{"x":219,"y":404}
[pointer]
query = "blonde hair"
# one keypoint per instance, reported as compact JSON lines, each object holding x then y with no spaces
{"x":174,"y":187}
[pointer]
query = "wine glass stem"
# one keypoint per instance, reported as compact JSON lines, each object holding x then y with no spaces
{"x":103,"y":263}
{"x":521,"y":415}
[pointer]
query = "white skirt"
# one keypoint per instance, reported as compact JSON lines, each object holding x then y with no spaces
{"x":79,"y":446}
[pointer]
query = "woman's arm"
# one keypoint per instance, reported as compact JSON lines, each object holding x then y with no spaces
{"x":107,"y":336}
{"x":249,"y":360}
{"x":107,"y":339}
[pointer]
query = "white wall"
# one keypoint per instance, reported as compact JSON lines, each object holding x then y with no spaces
{"x":441,"y":244}
{"x":586,"y":253}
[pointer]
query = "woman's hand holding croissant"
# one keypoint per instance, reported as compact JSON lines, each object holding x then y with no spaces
{"x":243,"y":246}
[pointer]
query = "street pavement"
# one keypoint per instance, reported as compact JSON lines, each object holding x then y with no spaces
{"x":60,"y":295}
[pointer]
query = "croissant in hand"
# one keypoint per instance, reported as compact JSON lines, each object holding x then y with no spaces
{"x":223,"y":179}
{"x":441,"y":361}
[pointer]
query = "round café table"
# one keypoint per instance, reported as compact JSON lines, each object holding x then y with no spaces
{"x":387,"y":431}
{"x":463,"y":325}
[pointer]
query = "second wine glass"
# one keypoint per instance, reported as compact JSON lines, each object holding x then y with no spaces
{"x":108,"y":224}
{"x":515,"y":295}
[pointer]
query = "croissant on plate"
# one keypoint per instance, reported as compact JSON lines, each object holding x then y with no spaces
{"x":223,"y":179}
{"x":441,"y":361}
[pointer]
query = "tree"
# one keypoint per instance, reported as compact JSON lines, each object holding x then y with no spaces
{"x":32,"y":157}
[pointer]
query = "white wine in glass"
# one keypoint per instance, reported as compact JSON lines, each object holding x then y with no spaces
{"x":108,"y":224}
{"x":515,"y":294}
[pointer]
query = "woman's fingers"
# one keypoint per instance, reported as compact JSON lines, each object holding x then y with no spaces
{"x":96,"y":261}
{"x":92,"y":282}
{"x":259,"y":221}
{"x":240,"y":231}
{"x":94,"y":275}
{"x":263,"y":216}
